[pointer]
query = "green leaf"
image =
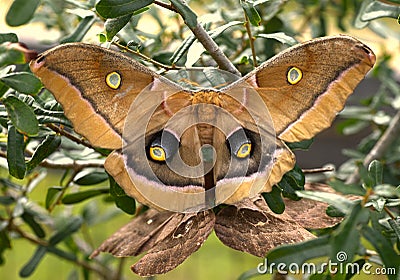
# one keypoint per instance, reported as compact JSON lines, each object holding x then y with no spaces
{"x":118,"y":8}
{"x":114,"y":25}
{"x":344,"y":188}
{"x":22,"y":82}
{"x":384,"y":248}
{"x":6,"y":200}
{"x":81,"y":196}
{"x":378,"y":9}
{"x":21,"y":12}
{"x":291,"y":182}
{"x":188,"y":15}
{"x":71,"y":225}
{"x":274,"y":200}
{"x":251,"y":12}
{"x":46,"y":148}
{"x":375,"y":170}
{"x":7,"y":57}
{"x":122,"y":201}
{"x":31,"y":265}
{"x":21,"y":115}
{"x":395,"y":225}
{"x":345,"y":205}
{"x":300,"y":252}
{"x":302,"y":145}
{"x":52,"y":195}
{"x":91,"y":178}
{"x":346,"y":239}
{"x":365,"y":175}
{"x":5,"y":244}
{"x":8,"y":37}
{"x":29,"y":218}
{"x":80,"y":31}
{"x":280,"y":37}
{"x":15,"y":153}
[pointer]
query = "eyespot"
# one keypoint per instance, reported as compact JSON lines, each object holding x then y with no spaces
{"x":163,"y":146}
{"x":244,"y":150}
{"x":239,"y":144}
{"x":157,"y":153}
{"x":113,"y":80}
{"x":294,"y":75}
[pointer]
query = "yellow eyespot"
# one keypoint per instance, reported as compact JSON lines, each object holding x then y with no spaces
{"x":294,"y":75}
{"x":157,"y":153}
{"x":113,"y":80}
{"x":244,"y":150}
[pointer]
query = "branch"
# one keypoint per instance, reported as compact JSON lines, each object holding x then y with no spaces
{"x":190,"y":19}
{"x":391,"y":134}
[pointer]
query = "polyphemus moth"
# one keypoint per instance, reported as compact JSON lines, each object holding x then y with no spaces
{"x":182,"y":150}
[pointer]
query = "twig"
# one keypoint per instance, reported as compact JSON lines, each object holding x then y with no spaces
{"x":102,"y":273}
{"x":165,"y":5}
{"x":70,"y":136}
{"x":204,"y":38}
{"x":251,"y":40}
{"x":391,"y":134}
{"x":318,"y":170}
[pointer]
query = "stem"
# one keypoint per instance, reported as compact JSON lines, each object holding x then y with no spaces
{"x":204,"y":38}
{"x":251,"y":40}
{"x":101,"y":272}
{"x":391,"y":134}
{"x":70,"y":136}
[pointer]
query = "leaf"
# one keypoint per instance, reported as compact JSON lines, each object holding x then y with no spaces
{"x":81,"y":30}
{"x":384,"y":248}
{"x":8,"y":37}
{"x":46,"y":148}
{"x":251,"y":12}
{"x":118,"y":8}
{"x":22,"y":82}
{"x":395,"y":225}
{"x":91,"y":178}
{"x":29,"y":218}
{"x":52,"y":195}
{"x":81,"y":196}
{"x":7,"y":57}
{"x":302,"y":145}
{"x":378,"y":9}
{"x":122,"y":201}
{"x":6,"y":200}
{"x":188,"y":15}
{"x":15,"y":153}
{"x":21,"y":12}
{"x":300,"y":252}
{"x":375,"y":170}
{"x":274,"y":200}
{"x":346,"y":239}
{"x":344,"y":188}
{"x":5,"y":243}
{"x":71,"y":225}
{"x":114,"y":25}
{"x":21,"y":115}
{"x":31,"y":265}
{"x":279,"y":36}
{"x":291,"y":182}
{"x":344,"y":204}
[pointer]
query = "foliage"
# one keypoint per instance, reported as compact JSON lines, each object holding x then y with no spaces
{"x":37,"y":138}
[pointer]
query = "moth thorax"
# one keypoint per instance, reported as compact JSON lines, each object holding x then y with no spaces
{"x":209,"y":97}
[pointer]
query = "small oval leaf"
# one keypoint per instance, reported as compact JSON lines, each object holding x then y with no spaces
{"x":46,"y":148}
{"x":15,"y":153}
{"x":22,"y":82}
{"x":21,"y":115}
{"x":118,"y":8}
{"x":274,"y":200}
{"x":21,"y":12}
{"x":81,"y":196}
{"x":91,"y":178}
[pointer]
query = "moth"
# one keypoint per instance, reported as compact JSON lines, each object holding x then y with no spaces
{"x":182,"y":151}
